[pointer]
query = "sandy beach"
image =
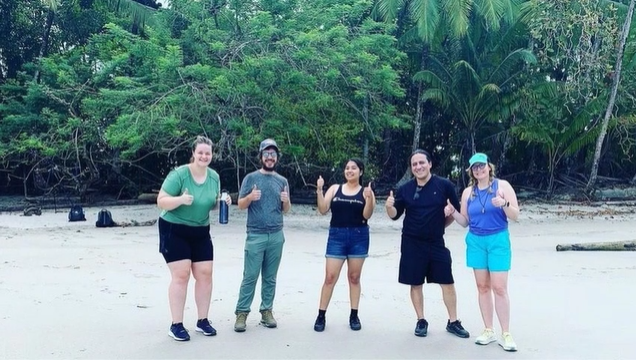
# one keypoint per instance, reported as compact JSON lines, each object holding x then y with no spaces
{"x":74,"y":291}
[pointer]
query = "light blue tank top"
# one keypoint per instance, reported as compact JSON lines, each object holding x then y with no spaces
{"x":485,"y":219}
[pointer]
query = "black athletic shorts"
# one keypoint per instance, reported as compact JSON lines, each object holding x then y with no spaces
{"x":424,"y":260}
{"x":178,"y":242}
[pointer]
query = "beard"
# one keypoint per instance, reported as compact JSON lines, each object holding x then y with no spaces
{"x":268,"y":168}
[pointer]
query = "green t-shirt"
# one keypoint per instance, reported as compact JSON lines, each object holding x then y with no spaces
{"x":204,"y":196}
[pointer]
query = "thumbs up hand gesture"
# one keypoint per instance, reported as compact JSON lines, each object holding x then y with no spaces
{"x":284,"y":195}
{"x":390,"y":200}
{"x":319,"y":184}
{"x":186,"y":198}
{"x":255,"y":194}
{"x":499,"y":201}
{"x":368,"y":191}
{"x":449,"y":209}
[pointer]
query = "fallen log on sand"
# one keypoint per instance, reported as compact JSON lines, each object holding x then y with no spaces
{"x":134,"y":223}
{"x":148,"y":197}
{"x":598,"y":246}
{"x":152,"y":198}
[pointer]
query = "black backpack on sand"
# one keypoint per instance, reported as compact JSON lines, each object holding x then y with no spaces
{"x":76,"y":214}
{"x":104,"y":219}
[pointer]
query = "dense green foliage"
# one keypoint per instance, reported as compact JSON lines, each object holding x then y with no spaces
{"x":101,"y":96}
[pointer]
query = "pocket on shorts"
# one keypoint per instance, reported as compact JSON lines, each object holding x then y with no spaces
{"x":335,"y":232}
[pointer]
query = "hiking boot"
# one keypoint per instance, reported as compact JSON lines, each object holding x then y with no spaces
{"x":354,"y":323}
{"x":486,"y":337}
{"x":456,"y":329}
{"x":239,"y":325}
{"x":507,"y":342}
{"x":319,"y":326}
{"x":178,"y":332}
{"x":267,"y":319}
{"x":205,"y":328}
{"x":421,"y":329}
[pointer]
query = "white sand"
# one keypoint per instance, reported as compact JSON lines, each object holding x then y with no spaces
{"x":73,"y":291}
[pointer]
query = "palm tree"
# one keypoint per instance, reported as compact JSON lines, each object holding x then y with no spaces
{"x":481,"y":83}
{"x":551,"y":124}
{"x":433,"y":20}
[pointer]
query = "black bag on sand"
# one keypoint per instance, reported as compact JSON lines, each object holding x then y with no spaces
{"x":76,"y":214}
{"x":104,"y":219}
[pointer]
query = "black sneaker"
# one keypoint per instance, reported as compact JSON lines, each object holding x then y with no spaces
{"x":205,"y":328}
{"x":319,"y":326}
{"x":178,"y":332}
{"x":421,"y":329}
{"x":354,"y":323}
{"x":456,"y":329}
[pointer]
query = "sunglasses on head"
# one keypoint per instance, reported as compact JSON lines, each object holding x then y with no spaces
{"x":417,"y":193}
{"x":478,"y":166}
{"x":270,"y":154}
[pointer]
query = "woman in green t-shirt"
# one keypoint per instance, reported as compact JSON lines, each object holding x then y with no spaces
{"x":187,"y":196}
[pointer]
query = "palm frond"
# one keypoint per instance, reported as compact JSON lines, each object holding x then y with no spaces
{"x":488,"y":90}
{"x":510,"y":37}
{"x":387,"y":9}
{"x":510,"y":10}
{"x":426,"y":12}
{"x":582,"y":124}
{"x":471,"y":51}
{"x":467,"y":76}
{"x":514,"y":59}
{"x":52,"y":4}
{"x":410,"y":35}
{"x":140,"y":13}
{"x":491,"y":11}
{"x":458,"y":13}
{"x":437,"y":66}
{"x":528,"y":11}
{"x":437,"y":96}
{"x":429,"y":78}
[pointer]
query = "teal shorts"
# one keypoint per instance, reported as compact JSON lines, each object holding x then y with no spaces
{"x":490,"y":252}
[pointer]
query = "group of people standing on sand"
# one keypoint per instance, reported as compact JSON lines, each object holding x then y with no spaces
{"x":428,"y":202}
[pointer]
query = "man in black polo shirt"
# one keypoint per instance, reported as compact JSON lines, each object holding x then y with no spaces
{"x":424,"y":256}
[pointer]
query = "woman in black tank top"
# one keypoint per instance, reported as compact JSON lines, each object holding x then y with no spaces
{"x":351,"y":207}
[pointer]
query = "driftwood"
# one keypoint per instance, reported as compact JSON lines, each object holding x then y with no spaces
{"x":32,"y":210}
{"x":598,"y":246}
{"x":152,"y":197}
{"x":134,"y":223}
{"x":148,"y":197}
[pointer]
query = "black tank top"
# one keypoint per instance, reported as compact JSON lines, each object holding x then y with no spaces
{"x":346,"y":211}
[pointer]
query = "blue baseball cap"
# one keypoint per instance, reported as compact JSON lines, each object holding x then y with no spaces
{"x":478,"y":158}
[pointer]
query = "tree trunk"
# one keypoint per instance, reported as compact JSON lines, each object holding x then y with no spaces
{"x":419,"y":112}
{"x":45,"y":42}
{"x":610,"y":106}
{"x":365,"y":118}
{"x":598,"y":246}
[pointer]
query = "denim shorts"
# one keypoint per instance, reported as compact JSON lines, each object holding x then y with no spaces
{"x":491,"y":252}
{"x":348,"y":242}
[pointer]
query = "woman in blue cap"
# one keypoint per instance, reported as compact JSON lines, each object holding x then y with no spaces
{"x":486,"y":205}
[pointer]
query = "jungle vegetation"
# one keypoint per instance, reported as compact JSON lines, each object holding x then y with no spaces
{"x":105,"y":96}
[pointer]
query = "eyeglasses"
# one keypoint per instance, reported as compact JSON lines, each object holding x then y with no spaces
{"x":417,"y":193}
{"x":478,"y":166}
{"x":270,"y":154}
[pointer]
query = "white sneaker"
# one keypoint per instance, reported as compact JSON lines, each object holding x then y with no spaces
{"x":507,"y":342}
{"x":486,"y":337}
